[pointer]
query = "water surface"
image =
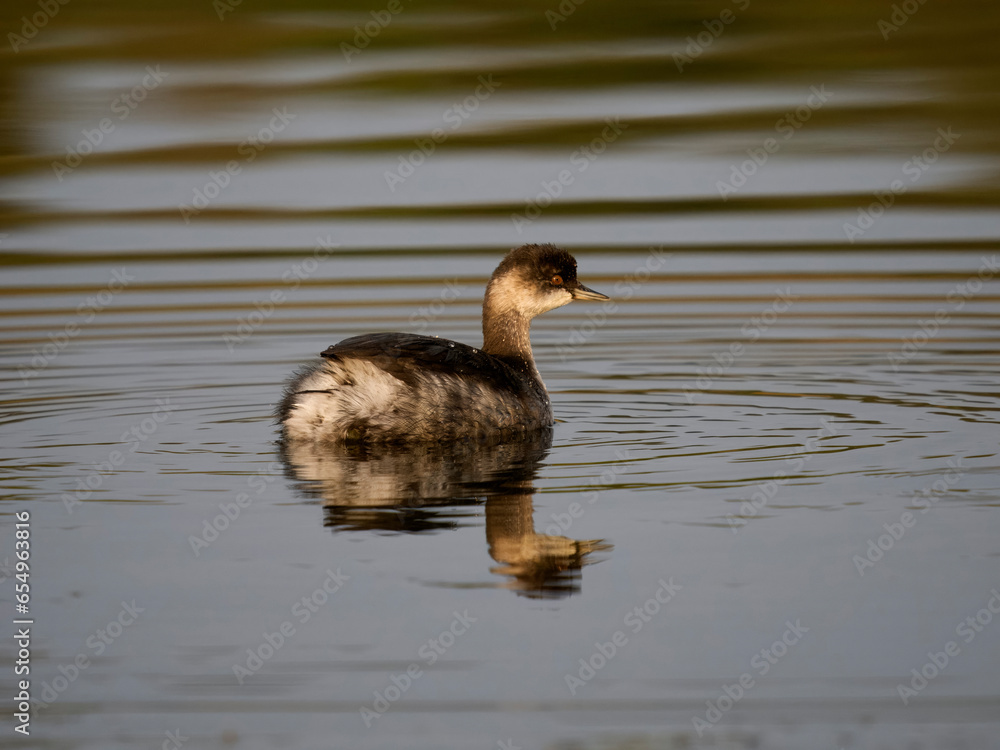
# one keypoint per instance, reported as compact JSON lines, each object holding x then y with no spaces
{"x":771,"y":493}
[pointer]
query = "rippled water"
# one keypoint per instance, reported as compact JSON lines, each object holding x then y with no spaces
{"x":772,"y":490}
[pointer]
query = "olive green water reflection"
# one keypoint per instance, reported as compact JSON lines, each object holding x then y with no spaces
{"x":786,"y":414}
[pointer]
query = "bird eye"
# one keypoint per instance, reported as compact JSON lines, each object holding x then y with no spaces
{"x":557,"y":280}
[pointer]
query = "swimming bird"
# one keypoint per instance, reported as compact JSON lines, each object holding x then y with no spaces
{"x":403,"y":387}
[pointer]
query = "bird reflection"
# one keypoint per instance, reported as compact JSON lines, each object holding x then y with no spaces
{"x":430,"y":487}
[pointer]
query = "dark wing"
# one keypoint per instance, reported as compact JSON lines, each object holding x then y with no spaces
{"x":406,"y":356}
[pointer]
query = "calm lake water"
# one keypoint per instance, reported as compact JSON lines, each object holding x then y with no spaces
{"x":767,"y":515}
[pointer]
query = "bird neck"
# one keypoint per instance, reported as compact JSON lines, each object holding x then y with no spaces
{"x":506,"y":332}
{"x":507,"y":335}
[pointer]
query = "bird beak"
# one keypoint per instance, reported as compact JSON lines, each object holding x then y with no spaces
{"x":582,"y":292}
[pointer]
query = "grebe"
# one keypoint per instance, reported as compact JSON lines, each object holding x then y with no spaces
{"x":401,"y":387}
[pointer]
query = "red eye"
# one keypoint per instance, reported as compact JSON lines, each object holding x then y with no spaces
{"x":557,"y":280}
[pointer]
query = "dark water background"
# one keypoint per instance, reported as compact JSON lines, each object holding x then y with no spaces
{"x":778,"y":441}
